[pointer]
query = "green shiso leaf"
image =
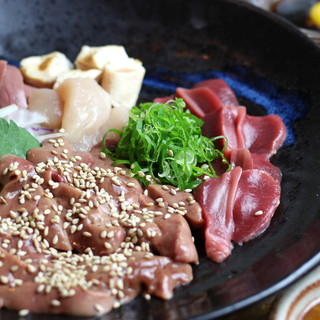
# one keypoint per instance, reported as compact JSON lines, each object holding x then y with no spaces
{"x":15,"y":140}
{"x":165,"y":141}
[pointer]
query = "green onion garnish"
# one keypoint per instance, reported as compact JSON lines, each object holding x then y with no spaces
{"x":164,"y":142}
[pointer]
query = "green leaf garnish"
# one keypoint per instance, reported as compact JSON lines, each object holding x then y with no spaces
{"x":15,"y":140}
{"x":164,"y":141}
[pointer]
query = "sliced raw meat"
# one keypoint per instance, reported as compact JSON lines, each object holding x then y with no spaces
{"x":264,"y":135}
{"x":221,"y":89}
{"x":261,"y":135}
{"x":163,"y":99}
{"x":200,"y":101}
{"x":257,"y":197}
{"x":246,"y":160}
{"x":228,"y":122}
{"x":47,"y":102}
{"x":11,"y":86}
{"x":216,"y":196}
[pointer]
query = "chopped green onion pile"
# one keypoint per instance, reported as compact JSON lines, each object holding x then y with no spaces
{"x":164,"y":142}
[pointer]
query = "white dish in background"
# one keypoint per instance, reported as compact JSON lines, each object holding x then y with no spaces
{"x":299,"y":299}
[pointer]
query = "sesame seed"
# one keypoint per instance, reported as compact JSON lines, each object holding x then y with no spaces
{"x":147,"y":296}
{"x":130,"y":184}
{"x":55,"y":303}
{"x":14,"y":268}
{"x":103,"y":234}
{"x":102,"y":155}
{"x":110,"y":234}
{"x":258,"y":213}
{"x":31,"y":268}
{"x":99,"y":308}
{"x":173,"y":192}
{"x":4,"y":279}
{"x":87,"y":234}
{"x":23,"y":312}
{"x":141,"y":174}
{"x":55,"y":239}
{"x":73,"y":228}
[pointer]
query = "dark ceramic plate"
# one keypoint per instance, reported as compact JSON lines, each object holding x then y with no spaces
{"x":272,"y":68}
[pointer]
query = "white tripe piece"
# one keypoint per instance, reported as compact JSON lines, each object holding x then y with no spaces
{"x":77,"y":73}
{"x":122,"y":76}
{"x":123,"y":81}
{"x":98,"y":57}
{"x":42,"y":71}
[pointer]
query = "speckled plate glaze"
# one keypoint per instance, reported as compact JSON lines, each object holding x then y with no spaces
{"x":271,"y":66}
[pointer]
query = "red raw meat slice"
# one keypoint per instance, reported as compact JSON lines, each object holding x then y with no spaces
{"x":257,"y":197}
{"x":200,"y":101}
{"x":228,"y":122}
{"x":264,"y":135}
{"x":262,"y":163}
{"x":261,"y":135}
{"x":221,"y":89}
{"x":11,"y":86}
{"x":216,"y":197}
{"x":243,"y":158}
{"x":163,"y":99}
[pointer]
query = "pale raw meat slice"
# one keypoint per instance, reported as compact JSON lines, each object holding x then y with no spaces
{"x":48,"y":103}
{"x":200,"y":101}
{"x":264,"y":135}
{"x":246,"y":160}
{"x":221,"y":89}
{"x":257,"y":197}
{"x":216,"y":197}
{"x":11,"y":86}
{"x":119,"y":118}
{"x":86,"y":109}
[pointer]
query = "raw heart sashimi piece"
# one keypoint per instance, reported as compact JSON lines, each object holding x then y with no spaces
{"x":216,"y":197}
{"x":237,"y":206}
{"x":200,"y":101}
{"x":257,"y":197}
{"x":221,"y":89}
{"x":243,"y":158}
{"x":264,"y":135}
